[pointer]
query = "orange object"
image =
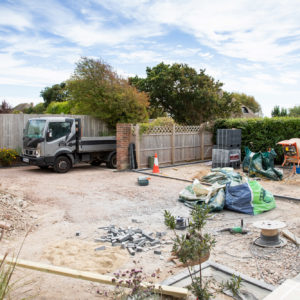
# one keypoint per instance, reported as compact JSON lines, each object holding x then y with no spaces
{"x":291,"y":153}
{"x":155,"y":165}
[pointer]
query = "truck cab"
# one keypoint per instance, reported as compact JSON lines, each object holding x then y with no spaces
{"x":57,"y":142}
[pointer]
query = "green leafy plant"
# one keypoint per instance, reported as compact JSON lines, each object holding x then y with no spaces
{"x":37,"y":109}
{"x":294,"y":111}
{"x":7,"y":156}
{"x":55,"y":93}
{"x":161,"y":121}
{"x":6,"y":271}
{"x":279,"y":112}
{"x":233,"y":285}
{"x":193,"y":248}
{"x":64,"y":107}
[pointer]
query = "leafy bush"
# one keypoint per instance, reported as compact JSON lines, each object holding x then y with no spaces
{"x":7,"y":156}
{"x":59,"y":107}
{"x":37,"y":109}
{"x":260,"y":134}
{"x":162,"y":121}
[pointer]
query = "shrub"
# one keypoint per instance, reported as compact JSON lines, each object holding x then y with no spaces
{"x":193,"y":248}
{"x":7,"y":156}
{"x":59,"y":107}
{"x":37,"y":109}
{"x":161,"y":121}
{"x":260,"y":134}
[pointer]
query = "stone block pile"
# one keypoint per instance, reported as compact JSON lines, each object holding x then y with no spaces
{"x":132,"y":239}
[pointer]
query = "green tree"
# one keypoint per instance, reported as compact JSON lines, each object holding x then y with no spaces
{"x":226,"y":107}
{"x":248,"y":101}
{"x":187,"y":96}
{"x":55,"y":93}
{"x":97,"y":90}
{"x":295,"y":111}
{"x":279,"y":112}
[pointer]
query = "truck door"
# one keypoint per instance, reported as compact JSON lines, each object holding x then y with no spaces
{"x":59,"y":137}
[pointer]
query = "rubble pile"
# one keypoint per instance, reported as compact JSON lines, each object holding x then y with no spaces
{"x":132,"y":239}
{"x":13,"y":214}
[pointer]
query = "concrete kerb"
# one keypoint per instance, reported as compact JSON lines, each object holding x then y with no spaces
{"x":178,"y":165}
{"x":161,"y":176}
{"x":286,"y":198}
{"x":185,"y":274}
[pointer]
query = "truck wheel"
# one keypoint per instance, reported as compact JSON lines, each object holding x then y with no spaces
{"x":62,"y":164}
{"x":112,"y":163}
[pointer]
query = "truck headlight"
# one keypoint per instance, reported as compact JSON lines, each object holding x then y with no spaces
{"x":38,"y":150}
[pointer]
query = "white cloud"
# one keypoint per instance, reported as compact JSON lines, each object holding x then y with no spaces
{"x":243,"y":29}
{"x":16,"y":72}
{"x":13,"y":18}
{"x":140,"y":56}
{"x":39,"y":47}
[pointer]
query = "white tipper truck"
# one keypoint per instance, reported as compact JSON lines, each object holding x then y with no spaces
{"x":57,"y":142}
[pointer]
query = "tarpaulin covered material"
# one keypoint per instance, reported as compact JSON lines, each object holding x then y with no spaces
{"x":223,"y":176}
{"x":261,"y":164}
{"x":229,"y":190}
{"x":196,"y":194}
{"x":249,"y":198}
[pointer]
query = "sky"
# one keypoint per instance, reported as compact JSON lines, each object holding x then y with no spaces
{"x":252,"y":47}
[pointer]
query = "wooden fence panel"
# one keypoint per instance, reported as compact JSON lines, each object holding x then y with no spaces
{"x":173,"y":144}
{"x":12,"y":125}
{"x":187,"y":146}
{"x":161,"y":144}
{"x":208,"y":145}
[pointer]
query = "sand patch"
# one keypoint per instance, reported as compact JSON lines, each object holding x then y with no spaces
{"x":81,"y":255}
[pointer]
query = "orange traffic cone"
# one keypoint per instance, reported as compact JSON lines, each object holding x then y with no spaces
{"x":155,"y":165}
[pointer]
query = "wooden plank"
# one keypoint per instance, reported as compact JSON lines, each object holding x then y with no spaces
{"x":89,"y":276}
{"x":291,"y":236}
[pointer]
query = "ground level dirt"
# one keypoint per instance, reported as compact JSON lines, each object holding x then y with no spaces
{"x":86,"y":198}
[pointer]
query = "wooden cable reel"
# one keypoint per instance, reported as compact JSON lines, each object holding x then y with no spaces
{"x":269,"y":236}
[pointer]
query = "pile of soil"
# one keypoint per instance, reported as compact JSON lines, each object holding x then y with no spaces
{"x":81,"y":255}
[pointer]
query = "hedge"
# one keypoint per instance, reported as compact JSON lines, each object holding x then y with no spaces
{"x":260,"y":134}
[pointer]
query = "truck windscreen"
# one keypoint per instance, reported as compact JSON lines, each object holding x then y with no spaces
{"x":35,"y":128}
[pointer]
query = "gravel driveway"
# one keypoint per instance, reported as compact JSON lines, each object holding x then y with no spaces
{"x":90,"y":197}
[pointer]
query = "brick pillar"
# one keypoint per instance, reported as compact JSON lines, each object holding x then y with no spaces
{"x":123,"y":139}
